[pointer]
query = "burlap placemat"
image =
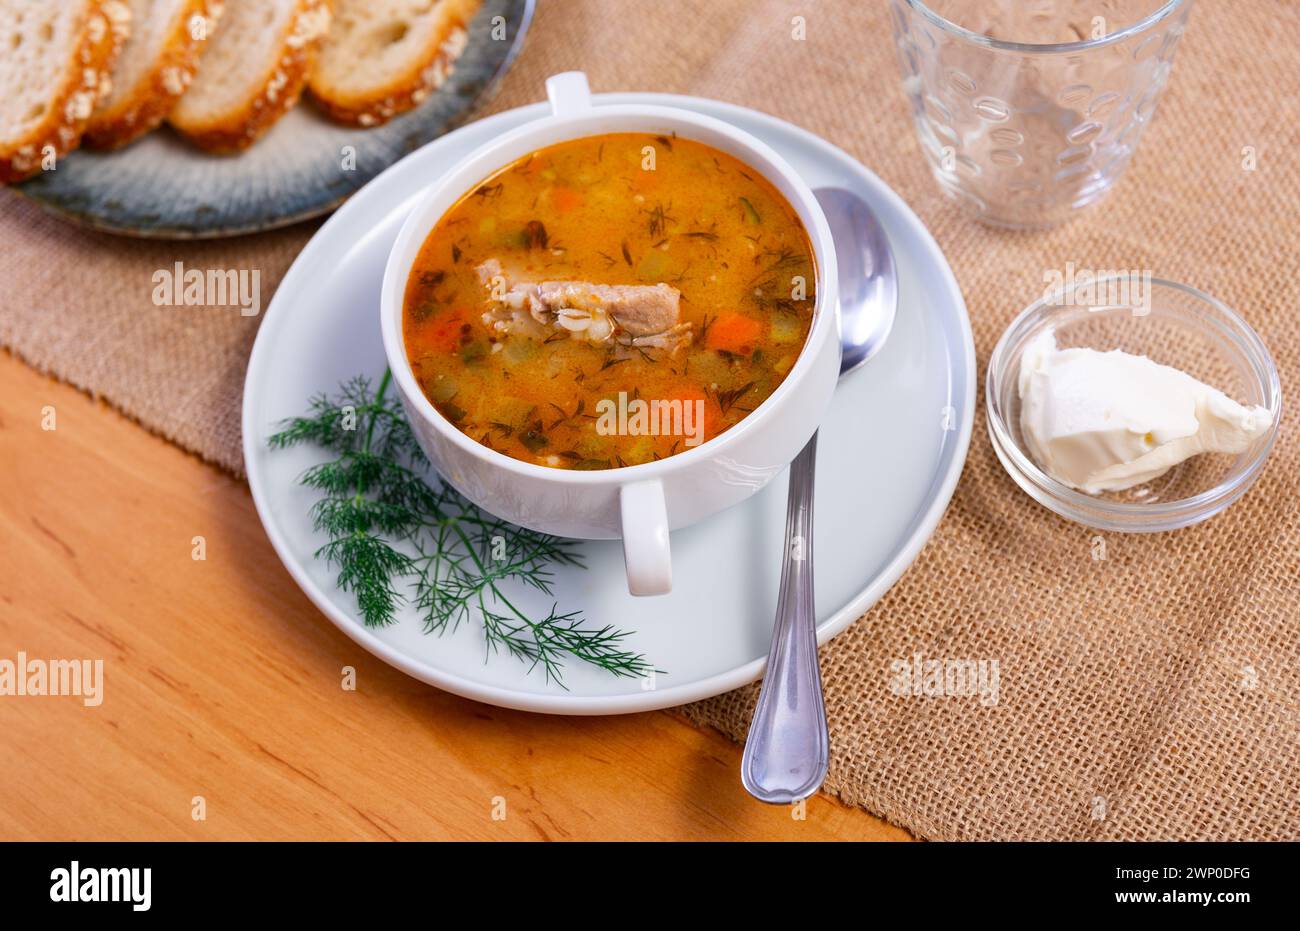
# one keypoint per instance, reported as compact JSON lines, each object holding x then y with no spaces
{"x":1148,"y":694}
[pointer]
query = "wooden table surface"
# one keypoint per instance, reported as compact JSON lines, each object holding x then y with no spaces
{"x":222,"y":681}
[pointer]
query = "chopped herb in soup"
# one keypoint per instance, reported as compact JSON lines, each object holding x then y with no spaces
{"x":609,"y":301}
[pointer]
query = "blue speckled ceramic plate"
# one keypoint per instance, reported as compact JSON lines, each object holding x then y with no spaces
{"x":305,"y":166}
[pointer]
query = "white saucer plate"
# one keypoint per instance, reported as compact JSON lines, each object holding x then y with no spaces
{"x":889,"y":456}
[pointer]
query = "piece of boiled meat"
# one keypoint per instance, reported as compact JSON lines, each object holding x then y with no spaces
{"x":639,"y":316}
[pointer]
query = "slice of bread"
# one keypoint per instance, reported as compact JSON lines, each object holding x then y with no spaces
{"x":154,"y":69}
{"x":383,"y":57}
{"x":252,"y":72}
{"x":55,"y":61}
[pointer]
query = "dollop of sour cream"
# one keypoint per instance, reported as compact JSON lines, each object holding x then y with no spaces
{"x":1106,"y":421}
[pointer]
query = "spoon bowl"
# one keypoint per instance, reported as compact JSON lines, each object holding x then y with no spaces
{"x":868,"y":278}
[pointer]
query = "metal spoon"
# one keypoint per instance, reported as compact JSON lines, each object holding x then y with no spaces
{"x":788,"y":749}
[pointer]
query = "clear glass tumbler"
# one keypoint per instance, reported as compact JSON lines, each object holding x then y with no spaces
{"x":1029,"y":110}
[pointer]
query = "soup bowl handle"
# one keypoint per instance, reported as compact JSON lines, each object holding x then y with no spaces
{"x":644,"y":515}
{"x":568,"y":93}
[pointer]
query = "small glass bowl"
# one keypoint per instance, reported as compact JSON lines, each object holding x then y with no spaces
{"x":1184,"y":328}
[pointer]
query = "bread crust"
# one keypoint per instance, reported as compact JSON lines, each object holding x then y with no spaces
{"x":87,"y":81}
{"x":278,"y":93}
{"x":158,"y":90}
{"x":406,"y":90}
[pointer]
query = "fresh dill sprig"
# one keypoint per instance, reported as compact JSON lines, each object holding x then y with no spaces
{"x":387,"y":524}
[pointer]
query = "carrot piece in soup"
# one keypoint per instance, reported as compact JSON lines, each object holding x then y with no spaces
{"x":645,"y":180}
{"x":690,"y":393}
{"x":734,"y":333}
{"x":565,"y":199}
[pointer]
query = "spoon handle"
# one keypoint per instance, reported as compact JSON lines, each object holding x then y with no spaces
{"x":788,"y":748}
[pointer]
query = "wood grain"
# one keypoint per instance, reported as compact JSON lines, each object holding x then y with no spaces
{"x":221,"y":680}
